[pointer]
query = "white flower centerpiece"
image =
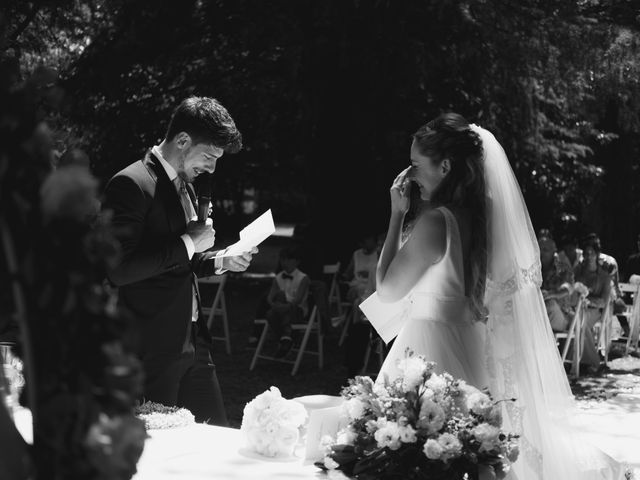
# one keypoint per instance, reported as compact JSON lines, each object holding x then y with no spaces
{"x":420,"y":426}
{"x":271,"y":424}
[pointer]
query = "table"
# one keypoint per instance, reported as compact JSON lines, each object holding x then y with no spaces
{"x":200,"y":452}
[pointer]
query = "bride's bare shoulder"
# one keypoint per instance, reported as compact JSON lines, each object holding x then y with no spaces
{"x":431,"y":226}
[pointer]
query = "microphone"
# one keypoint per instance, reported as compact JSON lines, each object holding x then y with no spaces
{"x":203,"y":187}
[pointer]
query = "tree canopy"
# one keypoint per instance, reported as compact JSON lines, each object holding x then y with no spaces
{"x":328,"y":93}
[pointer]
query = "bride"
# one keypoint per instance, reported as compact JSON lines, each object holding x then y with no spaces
{"x":468,"y":278}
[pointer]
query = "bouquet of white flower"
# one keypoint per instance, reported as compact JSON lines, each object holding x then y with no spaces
{"x":581,"y":288}
{"x":421,"y":426}
{"x":271,"y":424}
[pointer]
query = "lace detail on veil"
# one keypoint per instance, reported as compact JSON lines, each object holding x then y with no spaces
{"x":516,"y":415}
{"x":502,"y":378}
{"x":519,"y":279}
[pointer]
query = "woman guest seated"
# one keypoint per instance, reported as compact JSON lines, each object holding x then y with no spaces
{"x":557,"y":281}
{"x":592,"y":274}
{"x":361,"y":270}
{"x":361,"y":275}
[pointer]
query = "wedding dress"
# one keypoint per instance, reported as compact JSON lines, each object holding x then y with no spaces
{"x":515,"y":353}
{"x":438,"y":320}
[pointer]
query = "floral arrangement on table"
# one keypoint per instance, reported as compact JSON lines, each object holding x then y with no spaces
{"x":420,"y":426}
{"x":157,"y":416}
{"x":271,"y":424}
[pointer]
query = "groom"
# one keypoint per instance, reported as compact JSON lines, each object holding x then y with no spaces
{"x":164,"y":249}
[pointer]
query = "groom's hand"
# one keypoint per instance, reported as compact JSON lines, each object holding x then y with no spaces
{"x":202,"y":234}
{"x":239,"y":263}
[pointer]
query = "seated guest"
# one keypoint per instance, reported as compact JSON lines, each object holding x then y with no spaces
{"x":287,"y":299}
{"x":569,"y":251}
{"x":632,"y":265}
{"x":606,"y":261}
{"x":611,"y":266}
{"x":597,"y":279}
{"x":557,"y":281}
{"x":361,"y":274}
{"x":361,"y":270}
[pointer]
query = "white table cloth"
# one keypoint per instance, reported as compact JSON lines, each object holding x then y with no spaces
{"x":200,"y":452}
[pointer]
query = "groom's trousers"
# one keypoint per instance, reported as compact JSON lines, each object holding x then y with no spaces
{"x":187,"y":380}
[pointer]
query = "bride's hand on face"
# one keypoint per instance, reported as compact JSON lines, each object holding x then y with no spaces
{"x":399,"y":191}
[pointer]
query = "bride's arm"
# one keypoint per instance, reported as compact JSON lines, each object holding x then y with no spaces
{"x":399,"y":268}
{"x":399,"y":193}
{"x":390,"y":247}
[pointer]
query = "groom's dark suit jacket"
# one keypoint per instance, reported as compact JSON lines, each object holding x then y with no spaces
{"x":155,"y":276}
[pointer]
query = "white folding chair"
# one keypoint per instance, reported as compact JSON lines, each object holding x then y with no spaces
{"x":349,"y":317}
{"x":573,"y":334}
{"x":334,"y":297}
{"x":312,"y":325}
{"x":604,"y":333}
{"x":378,"y":345}
{"x":217,"y":307}
{"x":632,"y":312}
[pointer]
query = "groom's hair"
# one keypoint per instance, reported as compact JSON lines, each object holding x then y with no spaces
{"x":206,"y":121}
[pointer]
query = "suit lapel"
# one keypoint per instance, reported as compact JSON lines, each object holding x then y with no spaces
{"x":166,"y":192}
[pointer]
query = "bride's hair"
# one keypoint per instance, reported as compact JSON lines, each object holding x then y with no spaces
{"x":449,"y":137}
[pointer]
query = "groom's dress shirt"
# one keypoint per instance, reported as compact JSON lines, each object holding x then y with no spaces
{"x":190,"y":214}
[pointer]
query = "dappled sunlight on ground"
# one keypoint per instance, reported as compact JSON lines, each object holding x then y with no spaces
{"x":609,"y":408}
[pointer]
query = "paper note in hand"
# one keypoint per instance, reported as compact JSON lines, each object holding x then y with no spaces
{"x":252,"y":235}
{"x":386,"y":318}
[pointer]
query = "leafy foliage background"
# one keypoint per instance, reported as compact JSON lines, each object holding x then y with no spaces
{"x":328,"y":93}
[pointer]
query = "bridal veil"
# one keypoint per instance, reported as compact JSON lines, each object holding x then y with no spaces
{"x":522,"y":357}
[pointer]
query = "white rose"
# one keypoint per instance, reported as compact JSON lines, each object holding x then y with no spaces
{"x":355,"y":408}
{"x":388,"y":435}
{"x":451,"y":446}
{"x":437,"y":383}
{"x":432,"y":449}
{"x":487,"y":435}
{"x":407,"y":434}
{"x":431,"y":416}
{"x":380,"y":391}
{"x":427,"y":394}
{"x":413,"y":369}
{"x":266,"y":399}
{"x":479,"y":403}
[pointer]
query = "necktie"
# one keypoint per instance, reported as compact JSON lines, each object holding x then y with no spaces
{"x":189,"y":213}
{"x":185,"y":199}
{"x":286,"y":276}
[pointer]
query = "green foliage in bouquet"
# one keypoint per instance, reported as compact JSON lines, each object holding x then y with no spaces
{"x":82,"y":382}
{"x":420,"y":426}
